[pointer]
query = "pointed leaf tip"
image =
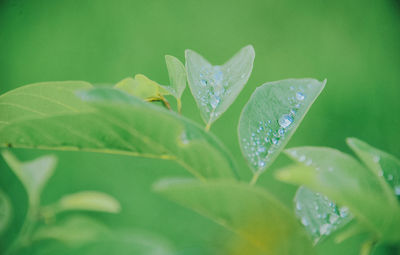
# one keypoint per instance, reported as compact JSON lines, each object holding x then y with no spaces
{"x":271,"y":116}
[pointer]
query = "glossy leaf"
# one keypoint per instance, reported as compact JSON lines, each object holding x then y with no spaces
{"x":216,"y":87}
{"x":41,"y":100}
{"x":5,"y":211}
{"x":33,"y":174}
{"x":251,"y":212}
{"x":384,"y":165}
{"x":342,"y":179}
{"x":121,"y":124}
{"x":318,"y":214}
{"x":271,"y":116}
{"x":142,"y":87}
{"x":177,"y":76}
{"x":89,"y":201}
{"x":73,"y":231}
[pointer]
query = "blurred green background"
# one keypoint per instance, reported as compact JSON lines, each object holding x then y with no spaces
{"x":354,"y":44}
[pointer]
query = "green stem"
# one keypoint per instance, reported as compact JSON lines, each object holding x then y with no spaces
{"x":367,"y":247}
{"x":255,"y":178}
{"x":25,"y":234}
{"x":179,"y":105}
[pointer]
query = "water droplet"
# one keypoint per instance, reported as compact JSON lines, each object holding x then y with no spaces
{"x":302,"y":158}
{"x":274,"y":140}
{"x":261,"y":163}
{"x":300,"y":96}
{"x":397,"y":190}
{"x":285,"y":121}
{"x":324,"y":229}
{"x":203,"y":82}
{"x":380,"y":173}
{"x":333,"y":218}
{"x":390,"y":177}
{"x":262,"y":149}
{"x":281,"y":132}
{"x":214,"y":101}
{"x":376,"y":159}
{"x":343,"y":211}
{"x":242,"y":76}
{"x":304,"y":221}
{"x":267,"y":139}
{"x":298,"y":206}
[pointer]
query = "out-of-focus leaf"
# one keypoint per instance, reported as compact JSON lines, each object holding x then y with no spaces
{"x":5,"y":211}
{"x":342,"y":179}
{"x":33,"y":174}
{"x":319,"y":215}
{"x":142,"y":87}
{"x":177,"y":76}
{"x":113,"y":242}
{"x":251,"y":212}
{"x":89,"y":201}
{"x":271,"y":116}
{"x":384,"y":165}
{"x":73,"y":231}
{"x":121,"y":124}
{"x":41,"y":100}
{"x":216,"y":87}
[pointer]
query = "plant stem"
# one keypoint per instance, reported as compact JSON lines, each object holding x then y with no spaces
{"x":27,"y":228}
{"x":255,"y":178}
{"x":367,"y":247}
{"x":179,"y":105}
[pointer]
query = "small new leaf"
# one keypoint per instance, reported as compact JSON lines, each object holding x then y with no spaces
{"x":33,"y":174}
{"x":177,"y":78}
{"x":216,"y":87}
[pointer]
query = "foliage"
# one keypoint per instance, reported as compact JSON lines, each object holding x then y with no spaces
{"x":342,"y":195}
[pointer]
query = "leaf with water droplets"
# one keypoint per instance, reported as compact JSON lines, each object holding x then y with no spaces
{"x":343,"y":179}
{"x":252,"y":212}
{"x":271,"y":116}
{"x":384,"y":165}
{"x":88,"y":201}
{"x":216,"y":87}
{"x":319,"y":215}
{"x":142,"y":87}
{"x":33,"y":174}
{"x":5,"y":211}
{"x":177,"y":76}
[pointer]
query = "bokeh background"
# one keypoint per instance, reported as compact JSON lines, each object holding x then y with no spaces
{"x":354,"y":44}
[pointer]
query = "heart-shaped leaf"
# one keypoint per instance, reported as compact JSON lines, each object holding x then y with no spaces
{"x":344,"y":180}
{"x":33,"y":174}
{"x":318,"y":214}
{"x":271,"y":116}
{"x":251,"y":212}
{"x":216,"y":87}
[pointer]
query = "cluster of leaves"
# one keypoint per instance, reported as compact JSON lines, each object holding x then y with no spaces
{"x":337,"y":190}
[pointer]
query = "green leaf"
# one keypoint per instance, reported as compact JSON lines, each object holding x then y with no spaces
{"x":142,"y":87}
{"x":249,"y":211}
{"x":89,"y":201}
{"x":319,"y":215}
{"x":73,"y":231}
{"x":121,"y":124}
{"x":5,"y":211}
{"x":384,"y":165}
{"x":344,"y":180}
{"x":41,"y":100}
{"x":216,"y":87}
{"x":33,"y":174}
{"x":177,"y":76}
{"x":271,"y":116}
